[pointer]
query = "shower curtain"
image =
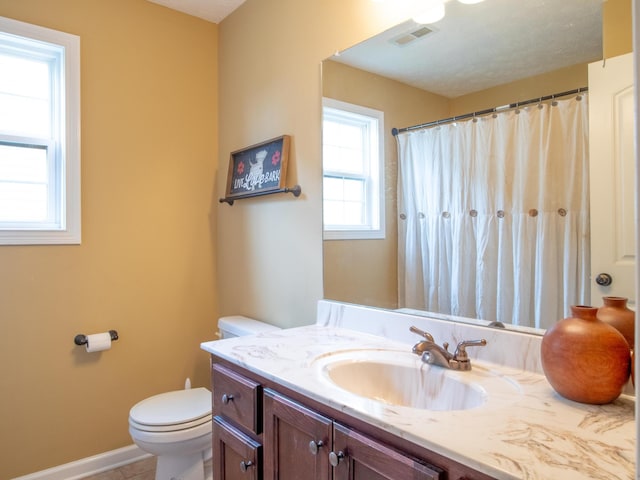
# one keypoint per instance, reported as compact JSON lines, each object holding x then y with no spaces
{"x":494,"y":215}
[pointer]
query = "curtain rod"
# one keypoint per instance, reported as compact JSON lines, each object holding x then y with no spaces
{"x":396,"y":131}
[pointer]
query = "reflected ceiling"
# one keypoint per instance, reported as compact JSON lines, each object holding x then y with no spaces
{"x":540,"y":41}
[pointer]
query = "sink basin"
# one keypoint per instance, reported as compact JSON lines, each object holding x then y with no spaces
{"x":401,"y":379}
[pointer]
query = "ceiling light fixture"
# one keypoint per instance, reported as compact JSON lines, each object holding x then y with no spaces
{"x":433,"y":10}
{"x":433,"y":13}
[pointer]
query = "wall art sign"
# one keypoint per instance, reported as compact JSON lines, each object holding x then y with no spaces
{"x":258,"y":169}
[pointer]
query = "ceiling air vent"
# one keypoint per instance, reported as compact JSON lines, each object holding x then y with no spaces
{"x":408,"y":37}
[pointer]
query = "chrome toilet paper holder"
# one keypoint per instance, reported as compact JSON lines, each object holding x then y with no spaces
{"x":81,"y":339}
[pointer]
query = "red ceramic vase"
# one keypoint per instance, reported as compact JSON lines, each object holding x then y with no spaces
{"x":584,"y":359}
{"x":616,"y":313}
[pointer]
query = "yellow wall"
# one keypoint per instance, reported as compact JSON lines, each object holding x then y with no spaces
{"x":146,"y":264}
{"x":270,"y":248}
{"x":370,"y":275}
{"x":557,"y":81}
{"x":617,"y":28}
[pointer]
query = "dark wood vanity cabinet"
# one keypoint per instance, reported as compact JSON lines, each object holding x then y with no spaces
{"x":237,"y":425}
{"x":360,"y":457}
{"x":237,"y":398}
{"x":273,"y":433}
{"x":297,"y":440}
{"x":236,"y":456}
{"x":301,"y":444}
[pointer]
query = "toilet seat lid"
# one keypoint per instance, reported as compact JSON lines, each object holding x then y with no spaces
{"x":172,"y":408}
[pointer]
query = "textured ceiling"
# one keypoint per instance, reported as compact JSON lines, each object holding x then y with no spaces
{"x":486,"y":44}
{"x":212,"y":10}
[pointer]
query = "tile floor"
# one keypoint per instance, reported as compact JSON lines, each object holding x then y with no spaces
{"x":141,"y":470}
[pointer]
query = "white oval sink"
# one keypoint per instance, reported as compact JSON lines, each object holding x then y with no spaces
{"x":402,"y":379}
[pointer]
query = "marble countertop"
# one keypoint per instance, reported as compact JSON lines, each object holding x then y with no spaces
{"x":532,"y":434}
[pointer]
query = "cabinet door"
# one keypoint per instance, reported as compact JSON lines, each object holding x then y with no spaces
{"x":235,"y":455}
{"x":296,"y":440}
{"x":357,"y":457}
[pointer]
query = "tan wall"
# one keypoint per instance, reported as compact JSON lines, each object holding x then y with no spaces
{"x":617,"y":27}
{"x":370,"y":276}
{"x":146,"y":264}
{"x":270,"y":248}
{"x":558,"y":81}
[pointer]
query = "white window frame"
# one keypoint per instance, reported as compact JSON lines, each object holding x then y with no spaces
{"x":64,"y":146}
{"x":374,"y":184}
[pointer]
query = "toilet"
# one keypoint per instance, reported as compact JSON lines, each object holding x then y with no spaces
{"x":176,"y":426}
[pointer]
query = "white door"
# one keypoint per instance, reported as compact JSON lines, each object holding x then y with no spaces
{"x":612,"y":179}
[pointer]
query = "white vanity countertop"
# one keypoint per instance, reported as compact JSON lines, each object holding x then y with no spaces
{"x":534,"y":434}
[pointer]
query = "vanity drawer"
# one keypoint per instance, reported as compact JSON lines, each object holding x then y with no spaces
{"x":237,"y":398}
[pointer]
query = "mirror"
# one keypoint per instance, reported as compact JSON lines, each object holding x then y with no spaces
{"x":478,"y":57}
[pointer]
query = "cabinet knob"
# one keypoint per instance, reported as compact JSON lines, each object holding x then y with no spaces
{"x":245,"y":465}
{"x":334,"y":458}
{"x":315,"y":446}
{"x":226,"y":398}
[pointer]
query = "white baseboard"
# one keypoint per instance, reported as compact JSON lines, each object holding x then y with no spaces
{"x":90,"y":465}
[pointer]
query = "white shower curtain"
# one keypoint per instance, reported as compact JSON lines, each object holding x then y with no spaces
{"x":494,"y":215}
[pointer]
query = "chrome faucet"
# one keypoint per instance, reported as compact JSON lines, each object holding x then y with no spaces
{"x":434,"y":354}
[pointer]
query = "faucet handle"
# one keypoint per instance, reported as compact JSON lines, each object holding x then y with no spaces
{"x":422,"y":333}
{"x":461,"y":350}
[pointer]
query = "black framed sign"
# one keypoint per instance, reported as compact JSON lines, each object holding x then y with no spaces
{"x":259,"y":168}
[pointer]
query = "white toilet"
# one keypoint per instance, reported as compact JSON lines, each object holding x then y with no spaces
{"x":176,"y":426}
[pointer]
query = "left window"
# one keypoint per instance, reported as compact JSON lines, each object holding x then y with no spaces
{"x":39,"y":135}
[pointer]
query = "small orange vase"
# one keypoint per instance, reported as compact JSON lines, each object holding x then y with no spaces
{"x":585,"y":359}
{"x":616,"y":313}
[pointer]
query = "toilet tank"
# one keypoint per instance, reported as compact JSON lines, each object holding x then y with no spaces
{"x":239,"y":326}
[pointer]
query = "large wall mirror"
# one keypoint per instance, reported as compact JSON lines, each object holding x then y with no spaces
{"x":478,"y":57}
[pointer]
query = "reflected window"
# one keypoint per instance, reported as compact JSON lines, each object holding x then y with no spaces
{"x":352,"y":171}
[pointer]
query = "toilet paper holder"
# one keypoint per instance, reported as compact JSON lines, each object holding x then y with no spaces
{"x":82,"y":339}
